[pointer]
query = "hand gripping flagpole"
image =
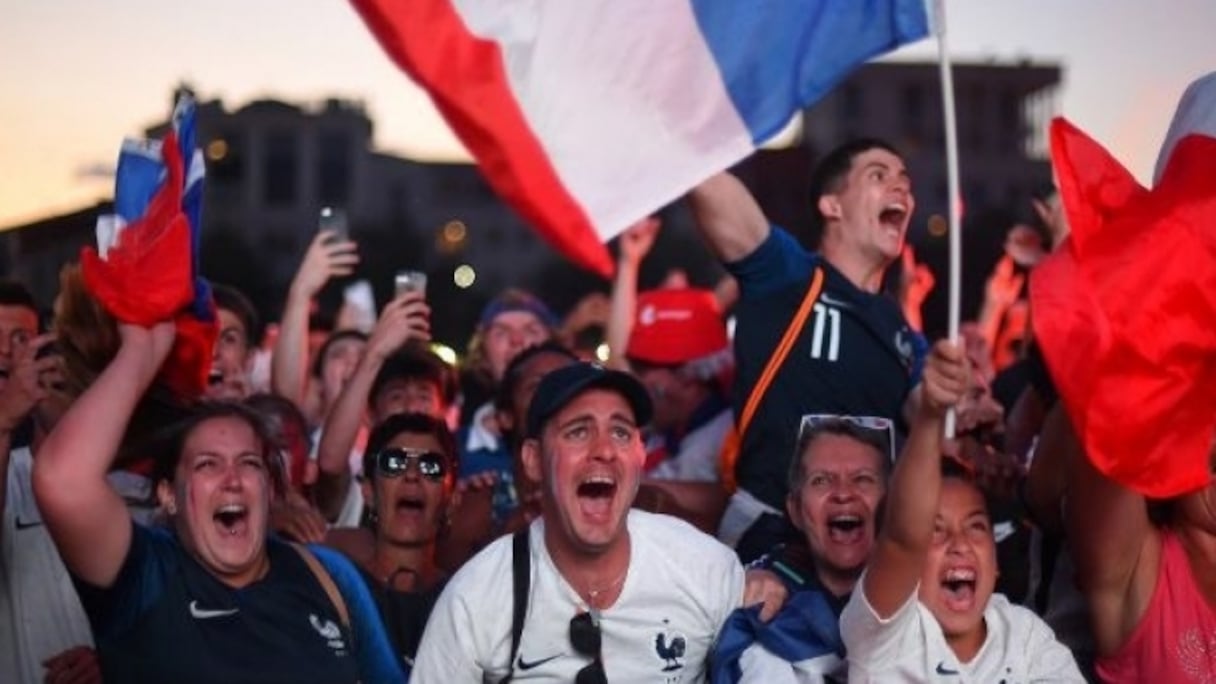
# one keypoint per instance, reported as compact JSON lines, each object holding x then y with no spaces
{"x":952,"y":185}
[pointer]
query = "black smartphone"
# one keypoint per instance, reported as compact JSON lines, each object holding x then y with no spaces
{"x":333,"y":219}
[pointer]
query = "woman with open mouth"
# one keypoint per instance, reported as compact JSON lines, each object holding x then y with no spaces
{"x":211,"y":597}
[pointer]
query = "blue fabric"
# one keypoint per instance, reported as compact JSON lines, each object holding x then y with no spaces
{"x":779,"y":262}
{"x":377,"y":660}
{"x":167,"y":618}
{"x":806,"y":627}
{"x":778,"y":56}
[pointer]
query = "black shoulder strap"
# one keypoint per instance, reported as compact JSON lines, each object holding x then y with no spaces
{"x":522,"y":573}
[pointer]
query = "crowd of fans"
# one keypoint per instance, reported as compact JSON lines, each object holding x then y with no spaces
{"x":360,"y":510}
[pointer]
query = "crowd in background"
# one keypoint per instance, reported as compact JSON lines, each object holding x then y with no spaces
{"x":345,"y":505}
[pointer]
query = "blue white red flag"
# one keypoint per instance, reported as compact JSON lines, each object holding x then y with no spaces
{"x":145,"y":269}
{"x":587,"y":115}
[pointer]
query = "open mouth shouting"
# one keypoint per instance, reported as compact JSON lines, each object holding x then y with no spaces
{"x":958,"y":588}
{"x":596,"y":494}
{"x":894,"y":216}
{"x":846,"y":528}
{"x":409,"y":508}
{"x":232,"y":520}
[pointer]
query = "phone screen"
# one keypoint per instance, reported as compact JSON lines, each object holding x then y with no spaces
{"x":334,"y":220}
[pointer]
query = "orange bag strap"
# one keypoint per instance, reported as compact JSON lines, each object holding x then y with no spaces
{"x":735,"y":442}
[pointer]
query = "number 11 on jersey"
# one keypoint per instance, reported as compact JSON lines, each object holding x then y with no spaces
{"x":827,"y":323}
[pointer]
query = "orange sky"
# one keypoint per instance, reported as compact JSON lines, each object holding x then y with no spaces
{"x":79,"y":75}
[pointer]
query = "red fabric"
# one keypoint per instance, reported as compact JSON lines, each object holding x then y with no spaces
{"x":1125,"y":312}
{"x":465,"y":76}
{"x":147,"y":277}
{"x":1175,"y":640}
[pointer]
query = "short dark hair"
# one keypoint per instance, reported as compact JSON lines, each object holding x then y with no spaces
{"x":170,"y":442}
{"x":844,"y":428}
{"x":953,"y":469}
{"x":15,"y":293}
{"x":415,"y":362}
{"x":413,"y":423}
{"x":831,"y":172}
{"x":333,"y":338}
{"x":510,"y":376}
{"x":232,"y":299}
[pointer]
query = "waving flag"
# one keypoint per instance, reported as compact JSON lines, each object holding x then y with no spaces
{"x":1125,"y":310}
{"x":145,"y":268}
{"x":588,"y":115}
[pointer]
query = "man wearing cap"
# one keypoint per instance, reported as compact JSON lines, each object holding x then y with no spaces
{"x":847,"y":348}
{"x":612,"y":594}
{"x":679,"y":349}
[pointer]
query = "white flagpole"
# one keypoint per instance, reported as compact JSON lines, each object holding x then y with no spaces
{"x":952,"y":184}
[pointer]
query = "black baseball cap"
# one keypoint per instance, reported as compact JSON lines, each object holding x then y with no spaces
{"x":562,"y":385}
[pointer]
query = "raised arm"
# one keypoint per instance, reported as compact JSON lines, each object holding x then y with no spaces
{"x":728,"y":217}
{"x":405,"y":318}
{"x":87,"y":519}
{"x":635,"y":244}
{"x":912,"y":498}
{"x":1114,"y":545}
{"x":327,"y":257}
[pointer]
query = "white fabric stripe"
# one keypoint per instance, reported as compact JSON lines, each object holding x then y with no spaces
{"x":1196,"y":114}
{"x":624,"y":96}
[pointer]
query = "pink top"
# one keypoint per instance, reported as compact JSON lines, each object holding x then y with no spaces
{"x":1176,"y":638}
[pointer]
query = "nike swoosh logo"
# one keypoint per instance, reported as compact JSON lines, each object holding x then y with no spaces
{"x":941,"y":669}
{"x":832,"y":301}
{"x":525,"y":665}
{"x":23,"y":525}
{"x":205,"y":614}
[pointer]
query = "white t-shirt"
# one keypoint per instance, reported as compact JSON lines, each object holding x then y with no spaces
{"x":351,"y":513}
{"x":40,"y":614}
{"x":910,"y":647}
{"x":680,"y":587}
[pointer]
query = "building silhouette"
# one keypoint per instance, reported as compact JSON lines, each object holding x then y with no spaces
{"x":272,"y":165}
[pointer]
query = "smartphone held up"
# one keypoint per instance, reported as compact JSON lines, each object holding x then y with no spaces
{"x":333,"y":220}
{"x":409,"y":281}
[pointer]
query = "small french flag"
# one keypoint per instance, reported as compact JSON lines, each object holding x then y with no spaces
{"x":588,"y":115}
{"x":145,"y":268}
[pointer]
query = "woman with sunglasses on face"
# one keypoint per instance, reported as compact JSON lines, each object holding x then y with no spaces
{"x":409,"y":471}
{"x":212,"y":597}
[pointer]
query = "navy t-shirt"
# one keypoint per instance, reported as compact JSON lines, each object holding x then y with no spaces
{"x":855,"y":355}
{"x":167,"y":619}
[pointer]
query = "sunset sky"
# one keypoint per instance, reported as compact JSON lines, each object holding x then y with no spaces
{"x":77,"y":76}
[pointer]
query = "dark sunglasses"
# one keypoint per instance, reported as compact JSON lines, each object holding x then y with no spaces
{"x":585,"y":638}
{"x":394,"y":463}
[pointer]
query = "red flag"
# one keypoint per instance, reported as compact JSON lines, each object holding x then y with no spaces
{"x":1125,"y":312}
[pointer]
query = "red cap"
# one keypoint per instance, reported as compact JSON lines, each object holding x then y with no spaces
{"x":676,"y":326}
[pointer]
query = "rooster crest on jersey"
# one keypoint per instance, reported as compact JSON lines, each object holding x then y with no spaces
{"x":669,"y":647}
{"x":329,"y":631}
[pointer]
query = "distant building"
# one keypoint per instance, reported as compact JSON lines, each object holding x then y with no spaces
{"x":271,"y":166}
{"x":1003,"y":111}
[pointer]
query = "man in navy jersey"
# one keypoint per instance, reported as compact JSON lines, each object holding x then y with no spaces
{"x":854,"y":353}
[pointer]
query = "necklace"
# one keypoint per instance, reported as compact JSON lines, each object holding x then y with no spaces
{"x":594,"y":593}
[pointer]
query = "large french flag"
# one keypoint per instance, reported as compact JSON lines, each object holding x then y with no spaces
{"x":1125,"y":309}
{"x":587,"y":115}
{"x":145,"y":268}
